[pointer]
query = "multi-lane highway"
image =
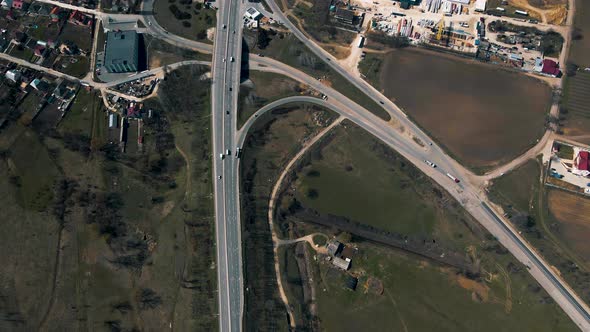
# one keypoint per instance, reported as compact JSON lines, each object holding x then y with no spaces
{"x":226,"y":80}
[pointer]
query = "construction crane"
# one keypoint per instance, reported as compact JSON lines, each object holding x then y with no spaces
{"x":441,"y":27}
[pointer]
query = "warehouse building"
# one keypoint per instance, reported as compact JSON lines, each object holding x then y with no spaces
{"x":344,"y":15}
{"x":121,"y":51}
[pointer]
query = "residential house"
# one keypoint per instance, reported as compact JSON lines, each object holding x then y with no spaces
{"x":39,"y":85}
{"x":40,"y":50}
{"x":6,"y":4}
{"x":80,"y":18}
{"x":19,"y":37}
{"x":13,"y":75}
{"x":19,"y":4}
{"x":550,"y":68}
{"x":581,"y":163}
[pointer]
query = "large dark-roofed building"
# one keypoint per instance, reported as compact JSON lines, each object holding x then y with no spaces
{"x":344,"y":15}
{"x":121,"y":51}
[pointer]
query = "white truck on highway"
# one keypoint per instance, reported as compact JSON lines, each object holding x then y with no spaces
{"x":453,"y":178}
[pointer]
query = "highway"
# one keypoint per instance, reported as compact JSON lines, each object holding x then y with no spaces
{"x":226,"y":80}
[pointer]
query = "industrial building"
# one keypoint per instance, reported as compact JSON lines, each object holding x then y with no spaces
{"x":253,"y":14}
{"x":480,"y":5}
{"x":121,"y":51}
{"x":344,"y":15}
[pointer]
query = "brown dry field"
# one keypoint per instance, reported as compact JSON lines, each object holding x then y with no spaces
{"x":545,"y":4}
{"x":580,"y":49}
{"x":484,"y":115}
{"x":573,"y":213}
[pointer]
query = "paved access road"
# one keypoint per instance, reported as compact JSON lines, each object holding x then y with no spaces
{"x":226,"y":80}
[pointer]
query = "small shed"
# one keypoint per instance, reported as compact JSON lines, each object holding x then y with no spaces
{"x":334,"y":248}
{"x":351,"y":282}
{"x":340,"y":263}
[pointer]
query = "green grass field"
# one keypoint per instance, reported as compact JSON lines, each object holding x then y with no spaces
{"x":289,"y":50}
{"x":201,"y":19}
{"x":133,"y":233}
{"x":357,"y":177}
{"x":525,"y":201}
{"x":418,"y":296}
{"x":264,"y":89}
{"x":370,"y":67}
{"x":80,"y":115}
{"x":347,"y":170}
{"x":271,"y":142}
{"x":161,"y":53}
{"x":79,"y":69}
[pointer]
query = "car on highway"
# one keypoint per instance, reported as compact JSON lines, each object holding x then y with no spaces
{"x":219,"y":177}
{"x":223,"y":59}
{"x":238,"y":152}
{"x":230,"y":89}
{"x":227,"y":152}
{"x":224,"y":26}
{"x":221,"y":156}
{"x":430,"y":163}
{"x":231,"y":58}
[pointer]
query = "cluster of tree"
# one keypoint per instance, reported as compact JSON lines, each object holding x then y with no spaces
{"x":263,"y":38}
{"x":63,"y":199}
{"x":179,"y":14}
{"x":148,"y":299}
{"x":77,"y":142}
{"x":577,"y":34}
{"x":551,"y":42}
{"x":571,"y":68}
{"x":388,"y":41}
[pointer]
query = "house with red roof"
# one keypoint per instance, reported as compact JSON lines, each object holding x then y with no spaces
{"x":17,"y":4}
{"x":582,"y":163}
{"x":40,"y":50}
{"x":79,"y":18}
{"x":550,"y":68}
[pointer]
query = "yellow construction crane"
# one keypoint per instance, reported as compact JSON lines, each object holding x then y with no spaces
{"x":441,"y":27}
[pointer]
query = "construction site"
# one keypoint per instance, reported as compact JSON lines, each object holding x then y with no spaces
{"x":502,"y":34}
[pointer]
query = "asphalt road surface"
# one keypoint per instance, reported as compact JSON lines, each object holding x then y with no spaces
{"x":226,"y":81}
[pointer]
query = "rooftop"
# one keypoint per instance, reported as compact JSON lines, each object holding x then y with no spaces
{"x":550,"y":67}
{"x":121,"y":49}
{"x":344,"y":14}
